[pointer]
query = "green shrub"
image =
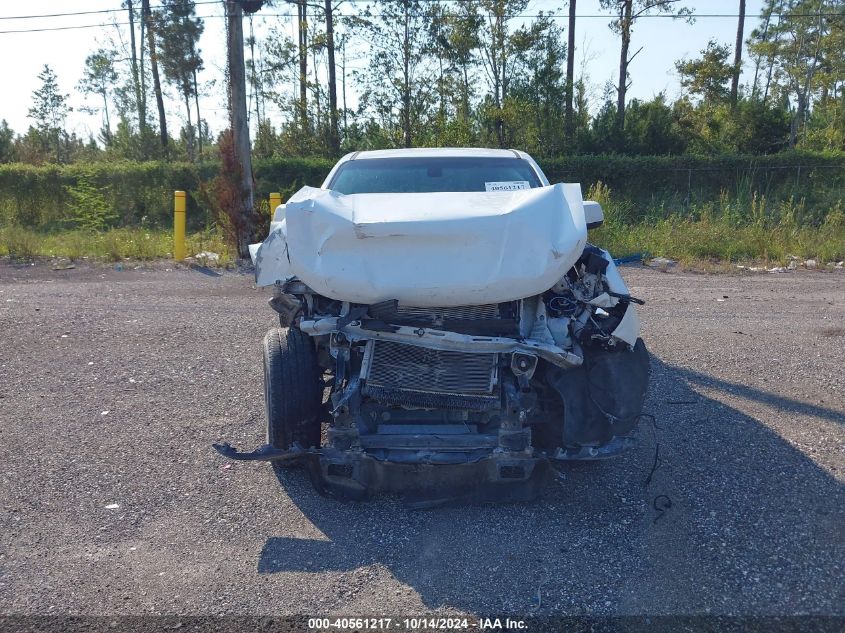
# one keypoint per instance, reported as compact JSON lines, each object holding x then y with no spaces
{"x":89,"y":206}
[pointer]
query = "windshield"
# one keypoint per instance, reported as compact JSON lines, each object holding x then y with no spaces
{"x":426,"y":175}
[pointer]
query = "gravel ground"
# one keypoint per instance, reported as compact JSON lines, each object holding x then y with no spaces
{"x":116,"y":383}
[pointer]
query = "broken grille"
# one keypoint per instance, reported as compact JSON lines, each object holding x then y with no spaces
{"x":406,"y":374}
{"x":489,"y":319}
{"x":487,"y":311}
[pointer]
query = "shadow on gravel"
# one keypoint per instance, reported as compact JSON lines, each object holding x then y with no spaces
{"x":205,"y":270}
{"x":734,"y":520}
{"x":764,"y":397}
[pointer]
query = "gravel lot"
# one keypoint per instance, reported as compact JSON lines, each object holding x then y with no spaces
{"x":115,"y":384}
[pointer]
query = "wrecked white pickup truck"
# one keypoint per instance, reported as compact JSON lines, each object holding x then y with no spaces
{"x":444,"y":317}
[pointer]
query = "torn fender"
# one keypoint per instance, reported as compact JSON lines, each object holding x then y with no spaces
{"x":604,"y":397}
{"x":272,"y":263}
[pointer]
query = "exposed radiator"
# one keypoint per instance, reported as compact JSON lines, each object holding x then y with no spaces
{"x":396,"y":373}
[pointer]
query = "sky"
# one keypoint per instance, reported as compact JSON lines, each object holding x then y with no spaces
{"x":23,"y":55}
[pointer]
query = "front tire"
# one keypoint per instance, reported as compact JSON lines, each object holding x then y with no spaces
{"x":292,"y":389}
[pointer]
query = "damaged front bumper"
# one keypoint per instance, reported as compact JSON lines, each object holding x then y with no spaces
{"x":428,"y":477}
{"x":356,"y":475}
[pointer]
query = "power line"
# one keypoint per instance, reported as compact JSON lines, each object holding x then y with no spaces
{"x":291,"y":15}
{"x":596,"y":15}
{"x":65,"y":28}
{"x":607,"y":16}
{"x":57,"y":15}
{"x":73,"y":13}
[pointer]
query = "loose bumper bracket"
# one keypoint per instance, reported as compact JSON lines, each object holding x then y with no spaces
{"x":265,"y":453}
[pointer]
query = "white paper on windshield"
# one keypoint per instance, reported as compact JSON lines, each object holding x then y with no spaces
{"x":511,"y":185}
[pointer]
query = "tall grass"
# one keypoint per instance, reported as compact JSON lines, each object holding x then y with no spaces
{"x":112,"y":245}
{"x":732,"y":229}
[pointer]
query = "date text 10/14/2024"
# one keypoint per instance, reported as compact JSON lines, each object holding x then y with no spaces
{"x":416,"y":624}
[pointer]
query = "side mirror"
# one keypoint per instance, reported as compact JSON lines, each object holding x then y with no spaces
{"x":593,"y":214}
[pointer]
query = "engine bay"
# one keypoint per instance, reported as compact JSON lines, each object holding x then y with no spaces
{"x":450,"y":384}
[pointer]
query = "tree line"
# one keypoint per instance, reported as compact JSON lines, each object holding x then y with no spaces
{"x":460,"y":73}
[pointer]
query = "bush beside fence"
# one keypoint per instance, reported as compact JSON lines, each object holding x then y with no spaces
{"x":101,"y":195}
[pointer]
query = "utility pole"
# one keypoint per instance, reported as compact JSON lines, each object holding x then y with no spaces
{"x":570,"y":75}
{"x":334,"y":141}
{"x":238,"y":119}
{"x":738,"y":54}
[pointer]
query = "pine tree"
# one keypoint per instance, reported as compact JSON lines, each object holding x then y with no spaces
{"x":7,"y":143}
{"x":49,"y":111}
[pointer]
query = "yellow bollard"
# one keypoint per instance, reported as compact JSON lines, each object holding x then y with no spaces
{"x":275,"y":201}
{"x":179,"y":249}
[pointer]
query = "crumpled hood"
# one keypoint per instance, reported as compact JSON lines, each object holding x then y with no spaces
{"x":426,"y":249}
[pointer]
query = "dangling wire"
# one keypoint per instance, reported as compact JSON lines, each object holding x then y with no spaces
{"x":656,"y":463}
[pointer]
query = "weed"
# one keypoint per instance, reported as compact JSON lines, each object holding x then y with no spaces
{"x":18,"y":243}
